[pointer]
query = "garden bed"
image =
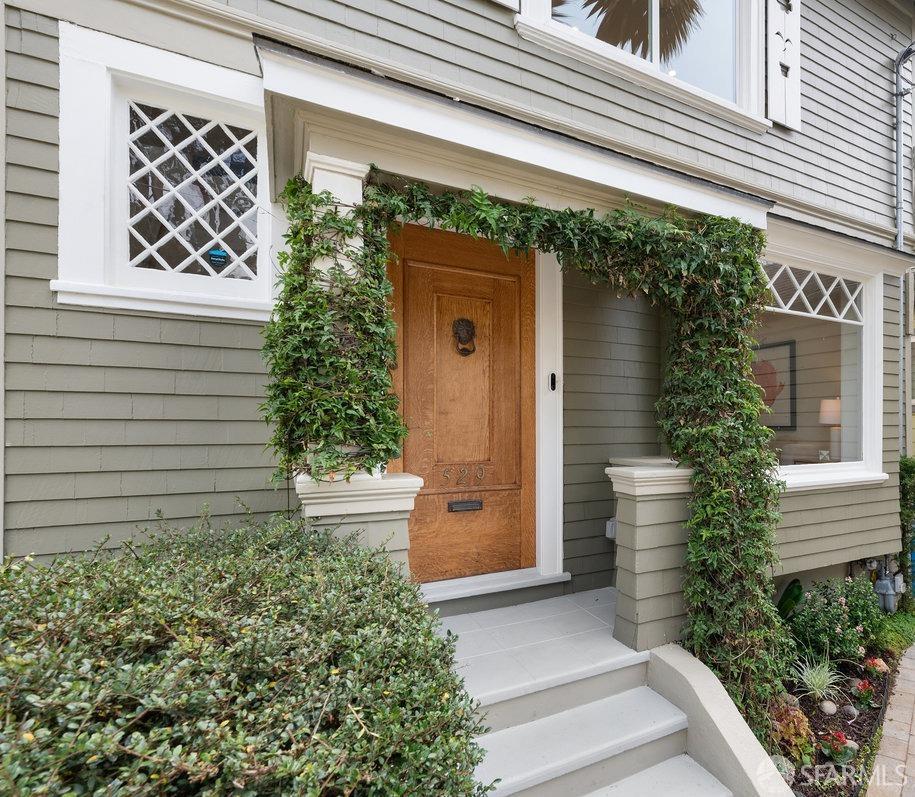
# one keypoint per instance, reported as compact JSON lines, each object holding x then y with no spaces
{"x":825,"y":777}
{"x":826,"y":729}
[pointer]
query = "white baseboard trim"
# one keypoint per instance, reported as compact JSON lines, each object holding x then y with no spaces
{"x":450,"y":589}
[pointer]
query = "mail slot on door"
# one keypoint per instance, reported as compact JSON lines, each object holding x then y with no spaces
{"x":465,"y":506}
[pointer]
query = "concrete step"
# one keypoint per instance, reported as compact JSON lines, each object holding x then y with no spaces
{"x":679,"y":775}
{"x":551,"y":676}
{"x":565,"y":673}
{"x":584,"y":748}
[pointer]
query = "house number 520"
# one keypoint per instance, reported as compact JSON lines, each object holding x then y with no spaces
{"x":463,"y":473}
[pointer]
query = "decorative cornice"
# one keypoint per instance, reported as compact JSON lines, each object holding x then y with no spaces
{"x":314,"y":160}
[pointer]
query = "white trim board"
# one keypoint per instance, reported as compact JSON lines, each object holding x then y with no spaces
{"x":549,"y":475}
{"x":455,"y":126}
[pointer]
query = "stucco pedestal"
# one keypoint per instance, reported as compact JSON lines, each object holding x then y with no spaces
{"x":376,"y":509}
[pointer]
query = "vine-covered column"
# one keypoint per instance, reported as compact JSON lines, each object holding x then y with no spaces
{"x":330,"y":349}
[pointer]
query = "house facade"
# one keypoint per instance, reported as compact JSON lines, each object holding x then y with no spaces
{"x":146,"y":144}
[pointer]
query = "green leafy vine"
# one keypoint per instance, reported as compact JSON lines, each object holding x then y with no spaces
{"x":330,"y":347}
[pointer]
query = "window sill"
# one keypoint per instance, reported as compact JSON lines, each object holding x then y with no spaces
{"x":562,"y":39}
{"x":801,"y":478}
{"x":144,"y":299}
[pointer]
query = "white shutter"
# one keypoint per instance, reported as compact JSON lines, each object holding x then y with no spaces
{"x":783,"y":62}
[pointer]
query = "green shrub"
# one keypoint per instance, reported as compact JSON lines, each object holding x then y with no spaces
{"x":863,"y":607}
{"x":906,"y":521}
{"x":264,"y":660}
{"x":837,"y":618}
{"x":896,"y":633}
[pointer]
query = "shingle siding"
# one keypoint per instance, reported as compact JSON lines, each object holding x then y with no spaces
{"x":611,"y":353}
{"x":110,"y":417}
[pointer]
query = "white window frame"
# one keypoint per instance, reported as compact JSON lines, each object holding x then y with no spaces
{"x":98,"y":74}
{"x":535,"y":23}
{"x":869,"y":469}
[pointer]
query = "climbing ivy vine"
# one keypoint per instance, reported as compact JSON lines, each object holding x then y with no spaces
{"x":330,"y":347}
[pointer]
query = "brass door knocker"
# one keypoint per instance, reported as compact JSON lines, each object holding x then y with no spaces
{"x":464,"y":333}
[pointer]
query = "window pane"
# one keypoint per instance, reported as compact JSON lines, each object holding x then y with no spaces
{"x":698,"y":44}
{"x":622,"y":23}
{"x":193,"y":184}
{"x":811,"y":375}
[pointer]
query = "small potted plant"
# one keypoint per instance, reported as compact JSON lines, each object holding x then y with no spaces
{"x":836,"y":747}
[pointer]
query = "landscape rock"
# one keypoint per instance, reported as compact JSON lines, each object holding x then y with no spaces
{"x":828,"y":708}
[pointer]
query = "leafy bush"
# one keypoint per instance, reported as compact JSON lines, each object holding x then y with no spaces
{"x":864,"y":610}
{"x":906,"y":521}
{"x":790,"y":732}
{"x":896,"y":632}
{"x":837,"y":618}
{"x":265,"y":660}
{"x":329,"y":344}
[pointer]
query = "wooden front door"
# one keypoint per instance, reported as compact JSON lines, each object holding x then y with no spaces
{"x":465,"y":317}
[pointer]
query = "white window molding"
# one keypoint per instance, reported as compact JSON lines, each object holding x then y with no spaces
{"x":535,"y":23}
{"x":99,"y":74}
{"x":869,"y":299}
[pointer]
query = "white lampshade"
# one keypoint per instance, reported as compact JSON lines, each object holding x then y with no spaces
{"x":831,"y":412}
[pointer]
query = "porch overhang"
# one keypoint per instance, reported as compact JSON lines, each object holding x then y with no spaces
{"x":314,"y":104}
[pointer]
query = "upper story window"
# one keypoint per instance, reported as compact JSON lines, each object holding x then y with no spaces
{"x":707,"y":53}
{"x":692,"y":40}
{"x":164,"y":203}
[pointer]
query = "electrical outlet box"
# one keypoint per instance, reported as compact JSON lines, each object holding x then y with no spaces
{"x":611,"y":529}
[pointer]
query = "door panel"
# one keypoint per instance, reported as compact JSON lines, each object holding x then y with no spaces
{"x":467,"y":401}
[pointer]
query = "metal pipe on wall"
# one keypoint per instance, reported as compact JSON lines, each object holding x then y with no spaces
{"x":901,"y":92}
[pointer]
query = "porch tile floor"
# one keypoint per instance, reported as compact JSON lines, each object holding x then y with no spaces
{"x":506,"y":652}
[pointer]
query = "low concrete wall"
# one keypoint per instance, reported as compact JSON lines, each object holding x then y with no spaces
{"x":717,"y":738}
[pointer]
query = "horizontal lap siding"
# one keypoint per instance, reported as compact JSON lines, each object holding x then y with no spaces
{"x":611,"y":382}
{"x":836,"y":526}
{"x":110,"y":417}
{"x":841,"y":160}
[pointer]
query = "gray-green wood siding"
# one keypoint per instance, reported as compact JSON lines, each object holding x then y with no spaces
{"x":110,"y":417}
{"x":611,"y":356}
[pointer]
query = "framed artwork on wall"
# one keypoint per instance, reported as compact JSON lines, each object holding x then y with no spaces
{"x":775,"y":372}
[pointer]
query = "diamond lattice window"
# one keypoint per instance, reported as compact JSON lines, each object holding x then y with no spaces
{"x":798,"y":290}
{"x":193,"y":194}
